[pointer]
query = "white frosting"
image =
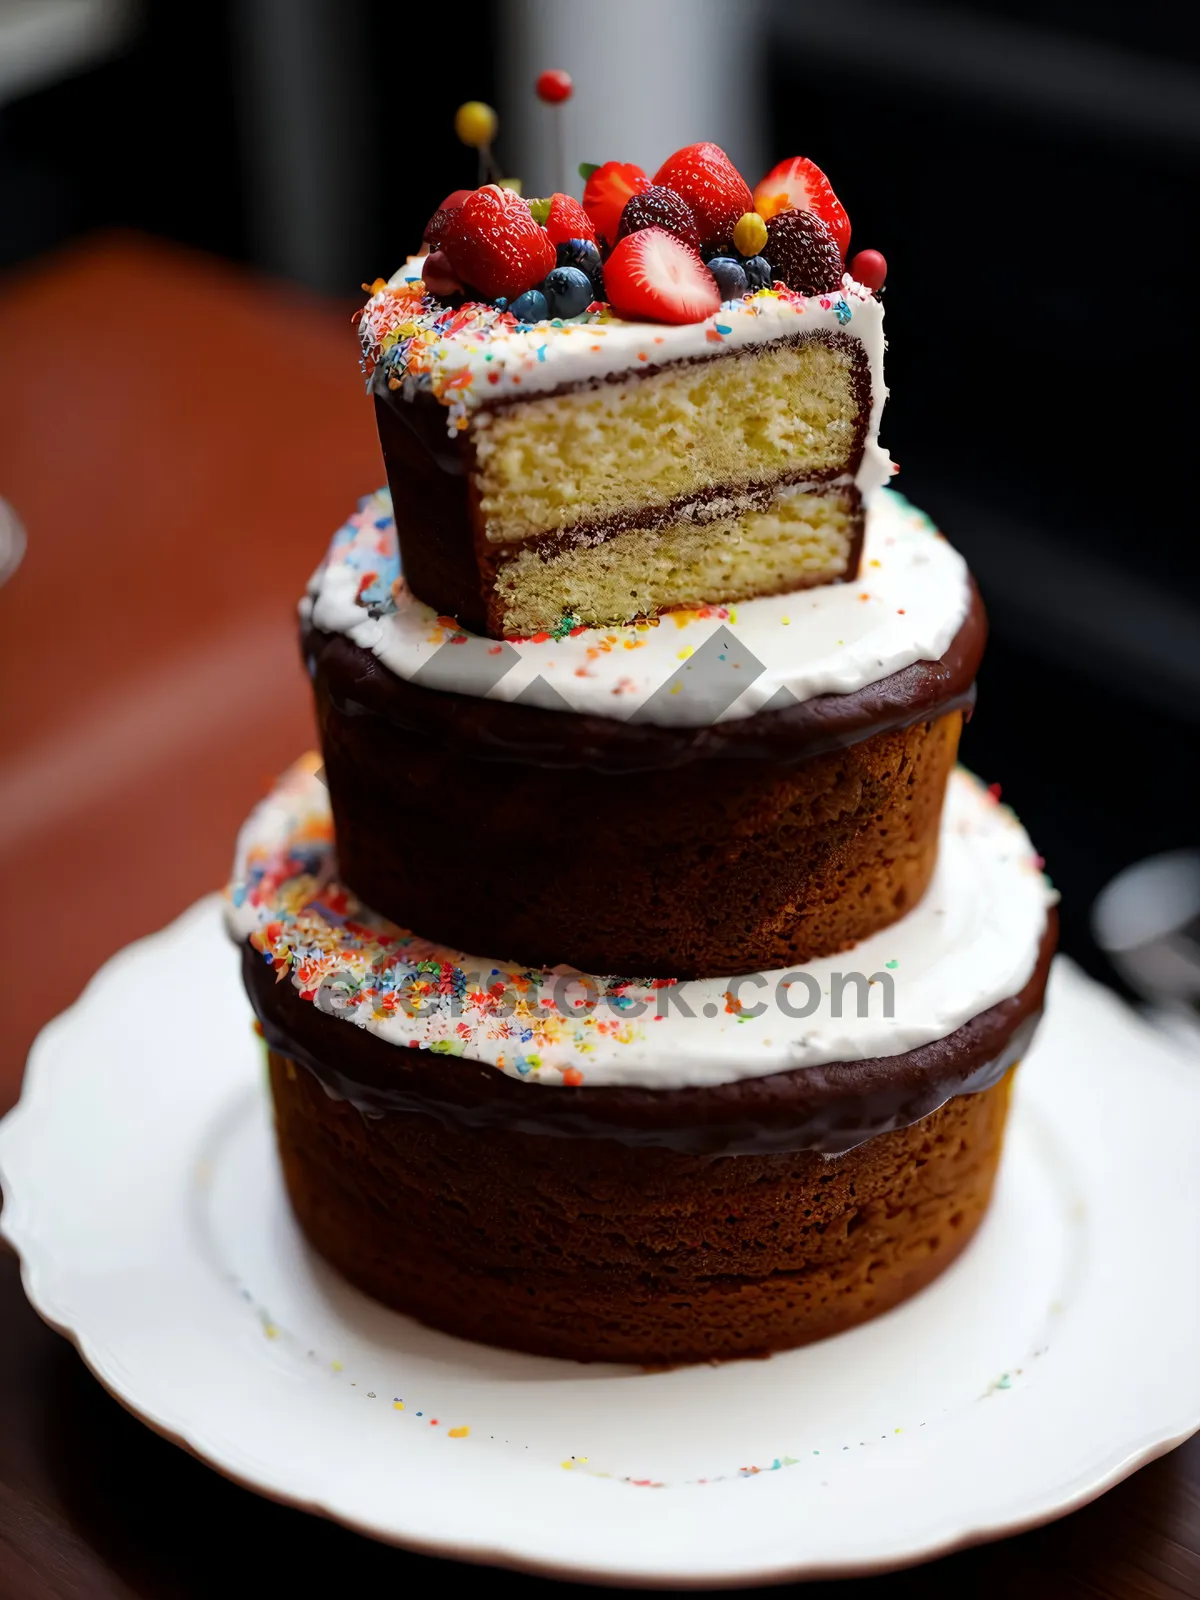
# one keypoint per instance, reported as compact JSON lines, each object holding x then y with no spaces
{"x":971,"y":942}
{"x":688,"y":668}
{"x":484,"y":360}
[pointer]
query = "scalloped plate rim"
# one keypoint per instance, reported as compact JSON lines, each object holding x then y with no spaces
{"x":1121,"y":1462}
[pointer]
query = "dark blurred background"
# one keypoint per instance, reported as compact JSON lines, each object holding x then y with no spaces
{"x":1029,"y":167}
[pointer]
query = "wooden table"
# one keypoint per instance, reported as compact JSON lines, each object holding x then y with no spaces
{"x":180,"y":441}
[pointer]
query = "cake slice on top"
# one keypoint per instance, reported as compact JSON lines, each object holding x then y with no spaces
{"x":593,"y":469}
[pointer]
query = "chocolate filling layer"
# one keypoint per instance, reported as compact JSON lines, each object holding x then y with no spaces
{"x":358,"y":684}
{"x":708,"y":506}
{"x":829,"y":1108}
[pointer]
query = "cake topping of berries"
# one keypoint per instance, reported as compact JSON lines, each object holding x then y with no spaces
{"x":653,"y":276}
{"x":749,"y":234}
{"x":438,"y":276}
{"x":799,"y":185}
{"x":870,"y":269}
{"x":730,"y":274}
{"x":803,"y":252}
{"x":710,"y":183}
{"x":494,"y":244}
{"x":569,"y":291}
{"x":607,"y":193}
{"x":564,"y":218}
{"x":439,"y":222}
{"x":660,"y":207}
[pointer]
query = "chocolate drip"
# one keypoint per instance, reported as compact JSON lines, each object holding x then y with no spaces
{"x":359,"y":685}
{"x":830,"y":1108}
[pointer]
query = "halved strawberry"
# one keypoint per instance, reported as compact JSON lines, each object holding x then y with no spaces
{"x":607,"y":193}
{"x":494,"y":244}
{"x":567,"y":219}
{"x":710,"y":183}
{"x":800,"y":185}
{"x":652,"y":276}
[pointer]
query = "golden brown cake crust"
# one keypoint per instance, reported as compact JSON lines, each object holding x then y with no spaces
{"x":809,"y":859}
{"x":593,"y":1250}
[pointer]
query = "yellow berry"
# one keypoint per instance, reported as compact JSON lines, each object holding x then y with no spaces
{"x":750,"y":234}
{"x":475,"y":123}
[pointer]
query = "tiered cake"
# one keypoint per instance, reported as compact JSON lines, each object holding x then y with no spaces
{"x":638,"y":680}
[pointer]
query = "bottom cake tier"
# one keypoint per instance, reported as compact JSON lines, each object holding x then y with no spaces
{"x":616,"y":1170}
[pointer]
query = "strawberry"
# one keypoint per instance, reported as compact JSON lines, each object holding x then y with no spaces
{"x":660,"y":208}
{"x":652,"y":276}
{"x":440,"y":220}
{"x":567,"y":219}
{"x":800,"y":185}
{"x":607,"y":192}
{"x":495,"y":245}
{"x":439,"y":276}
{"x":710,"y":183}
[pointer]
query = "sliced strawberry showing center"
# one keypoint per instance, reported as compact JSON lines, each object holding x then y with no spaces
{"x":799,"y":185}
{"x":652,"y":276}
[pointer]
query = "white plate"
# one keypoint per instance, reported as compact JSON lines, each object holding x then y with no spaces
{"x":1055,"y":1357}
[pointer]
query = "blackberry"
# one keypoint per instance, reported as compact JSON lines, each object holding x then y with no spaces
{"x":803,"y":253}
{"x":660,"y":208}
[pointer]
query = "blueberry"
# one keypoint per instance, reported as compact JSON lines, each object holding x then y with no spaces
{"x":759,"y":272}
{"x":581,"y":253}
{"x":530,"y":306}
{"x":569,"y":291}
{"x":500,"y":303}
{"x":730,"y":276}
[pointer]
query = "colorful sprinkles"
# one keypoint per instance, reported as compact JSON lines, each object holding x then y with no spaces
{"x":581,"y":1465}
{"x":410,"y":342}
{"x":349,"y":961}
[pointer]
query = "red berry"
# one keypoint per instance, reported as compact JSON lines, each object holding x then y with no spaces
{"x":870,"y":269}
{"x":494,"y":244}
{"x":568,"y":220}
{"x":607,"y":193}
{"x":800,"y":185}
{"x":439,"y":221}
{"x":802,"y":252}
{"x":554,"y":86}
{"x":660,"y":208}
{"x":710,"y":183}
{"x":652,"y":276}
{"x":439,"y":275}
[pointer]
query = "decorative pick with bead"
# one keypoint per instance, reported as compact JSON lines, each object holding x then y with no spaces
{"x":554,"y":88}
{"x":475,"y":124}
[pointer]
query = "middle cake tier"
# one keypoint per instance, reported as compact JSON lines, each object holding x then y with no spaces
{"x":723,"y":790}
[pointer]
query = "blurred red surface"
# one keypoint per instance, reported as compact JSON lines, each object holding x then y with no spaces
{"x":179,"y":439}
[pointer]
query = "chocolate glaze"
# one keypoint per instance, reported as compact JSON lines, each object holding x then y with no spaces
{"x":829,"y":1108}
{"x":357,"y":684}
{"x":444,"y":550}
